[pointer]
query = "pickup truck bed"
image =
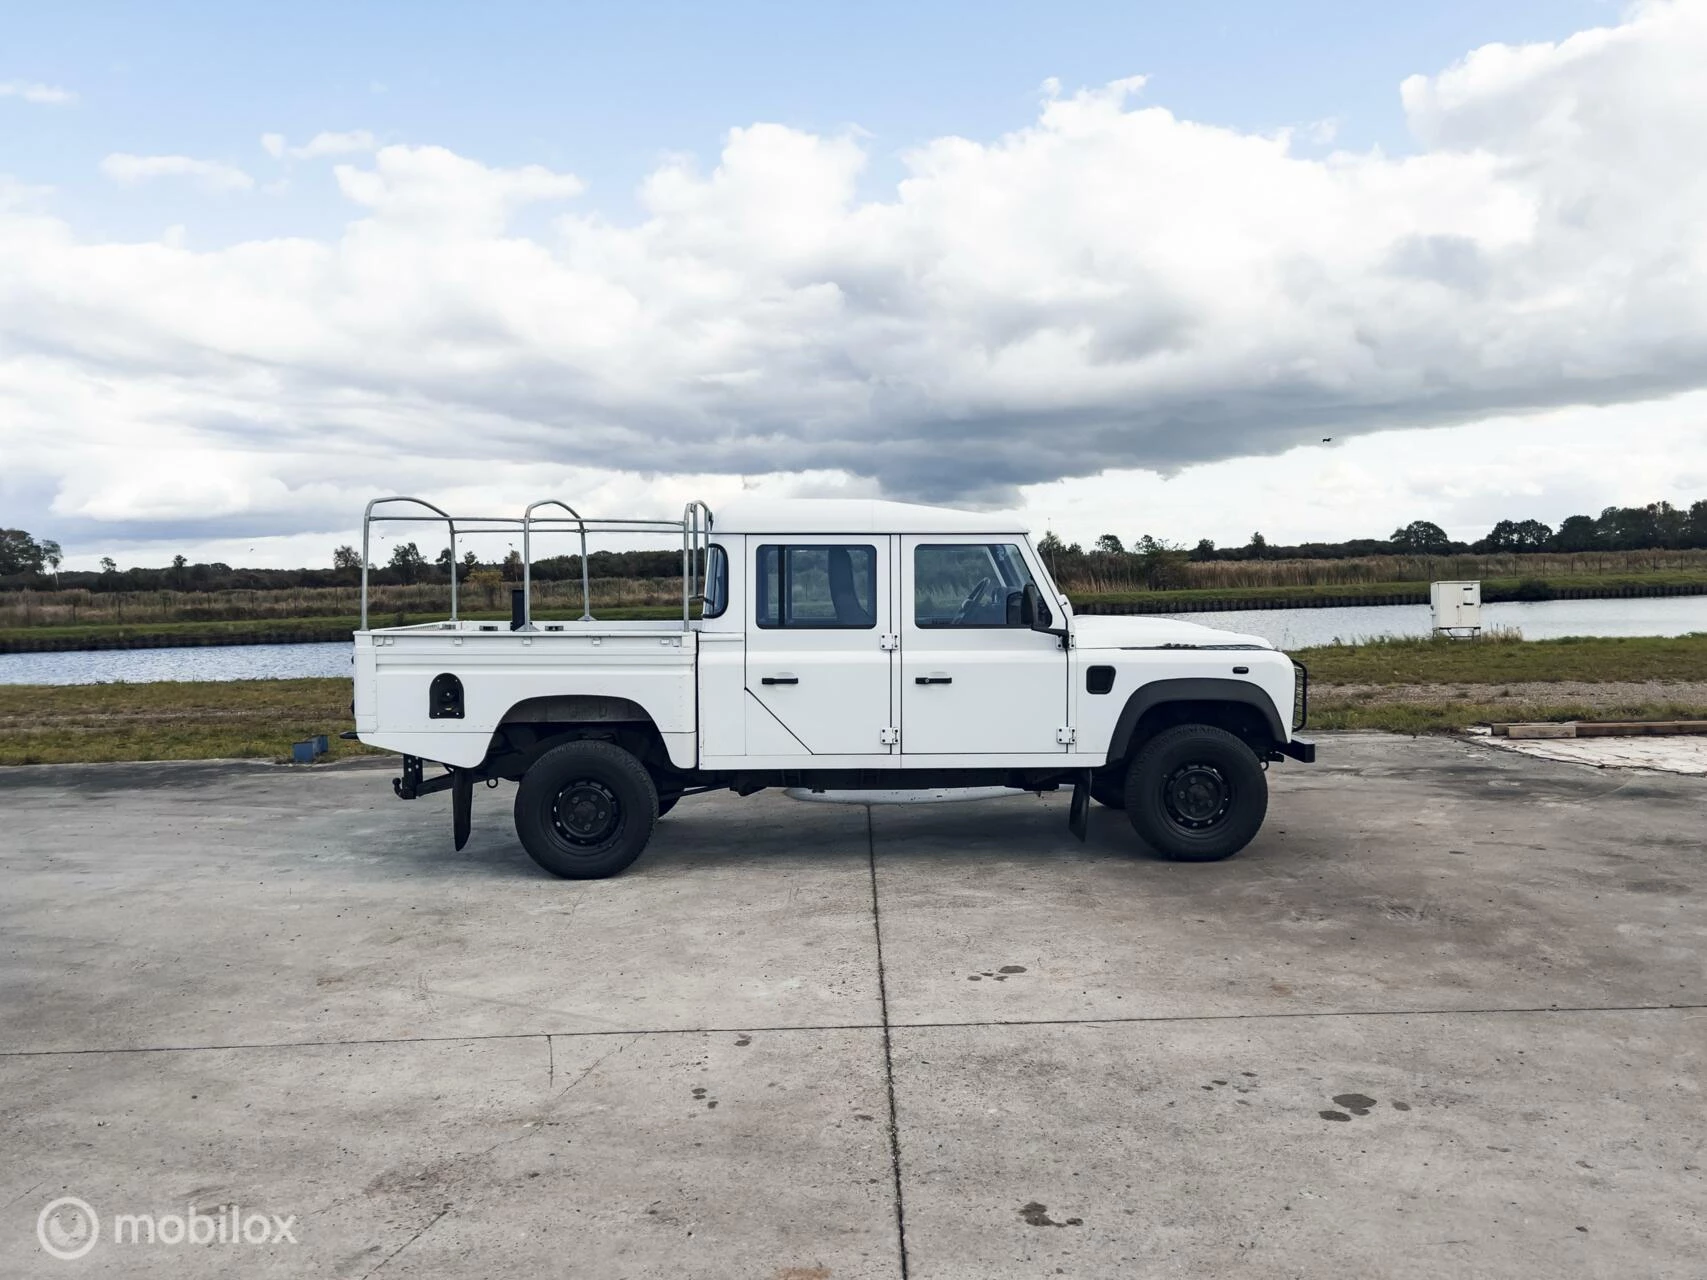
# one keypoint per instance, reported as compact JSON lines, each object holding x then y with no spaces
{"x":506,"y":674}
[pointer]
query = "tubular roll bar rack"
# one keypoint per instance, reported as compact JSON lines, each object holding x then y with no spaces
{"x":694,"y":528}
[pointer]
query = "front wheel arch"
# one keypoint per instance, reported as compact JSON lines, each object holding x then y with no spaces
{"x":1237,"y":706}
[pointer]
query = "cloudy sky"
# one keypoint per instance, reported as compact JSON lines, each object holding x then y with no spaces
{"x":1123,"y":267}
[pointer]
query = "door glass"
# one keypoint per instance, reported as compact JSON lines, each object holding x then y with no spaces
{"x":816,"y":587}
{"x":968,"y":584}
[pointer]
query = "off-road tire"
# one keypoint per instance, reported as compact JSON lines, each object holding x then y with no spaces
{"x":1196,"y":793}
{"x":585,"y":810}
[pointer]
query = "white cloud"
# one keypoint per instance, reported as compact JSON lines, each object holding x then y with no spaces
{"x":43,"y":94}
{"x":127,"y":169}
{"x":353,"y":142}
{"x":1108,"y":289}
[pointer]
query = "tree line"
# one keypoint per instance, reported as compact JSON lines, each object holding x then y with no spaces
{"x":29,"y":562}
{"x":26,"y":561}
{"x":1657,"y":526}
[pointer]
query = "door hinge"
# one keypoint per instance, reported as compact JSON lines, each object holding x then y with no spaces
{"x":889,"y":642}
{"x":889,"y":737}
{"x":1065,"y":737}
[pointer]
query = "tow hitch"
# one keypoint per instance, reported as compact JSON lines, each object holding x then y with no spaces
{"x":459,"y":782}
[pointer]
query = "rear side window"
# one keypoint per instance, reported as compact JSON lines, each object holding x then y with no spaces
{"x":968,"y":584}
{"x":816,"y":587}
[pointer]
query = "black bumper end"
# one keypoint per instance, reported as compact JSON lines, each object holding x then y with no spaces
{"x":1300,"y":750}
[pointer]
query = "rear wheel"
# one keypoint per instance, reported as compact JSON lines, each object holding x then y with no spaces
{"x":585,"y":810}
{"x":1196,"y":793}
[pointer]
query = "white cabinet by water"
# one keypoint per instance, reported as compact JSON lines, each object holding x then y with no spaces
{"x":1457,"y":606}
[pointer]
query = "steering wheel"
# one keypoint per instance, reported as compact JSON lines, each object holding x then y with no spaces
{"x":972,"y":598}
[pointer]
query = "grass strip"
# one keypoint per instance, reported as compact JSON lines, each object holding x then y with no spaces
{"x":1500,"y":660}
{"x":238,"y":719}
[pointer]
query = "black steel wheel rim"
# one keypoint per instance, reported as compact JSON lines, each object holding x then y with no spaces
{"x":587,"y":813}
{"x":1197,"y":796}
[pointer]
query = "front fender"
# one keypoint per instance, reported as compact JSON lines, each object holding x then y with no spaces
{"x":1191,"y":689}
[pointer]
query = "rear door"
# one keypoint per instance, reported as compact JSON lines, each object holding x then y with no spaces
{"x":974,"y":680}
{"x":818,"y":667}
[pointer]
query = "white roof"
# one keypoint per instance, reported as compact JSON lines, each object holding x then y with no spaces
{"x":855,"y":515}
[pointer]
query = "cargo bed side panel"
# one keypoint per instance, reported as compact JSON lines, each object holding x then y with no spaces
{"x":501,"y":669}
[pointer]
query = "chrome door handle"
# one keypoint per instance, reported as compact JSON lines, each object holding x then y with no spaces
{"x":933,"y":679}
{"x":780,"y":680}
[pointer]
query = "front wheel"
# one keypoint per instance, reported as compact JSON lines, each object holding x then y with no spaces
{"x":1196,"y":793}
{"x":585,"y":810}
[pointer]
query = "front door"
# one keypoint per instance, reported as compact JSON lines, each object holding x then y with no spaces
{"x":974,"y":679}
{"x":818,"y":668}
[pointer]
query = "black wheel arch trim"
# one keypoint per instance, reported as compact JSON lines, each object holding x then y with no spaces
{"x":1191,"y":689}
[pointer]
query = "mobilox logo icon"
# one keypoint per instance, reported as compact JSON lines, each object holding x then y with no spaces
{"x":68,"y":1228}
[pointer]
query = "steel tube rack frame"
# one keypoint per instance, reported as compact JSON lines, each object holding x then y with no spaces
{"x":694,"y":527}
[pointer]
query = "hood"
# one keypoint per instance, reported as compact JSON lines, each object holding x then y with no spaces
{"x":1104,"y":632}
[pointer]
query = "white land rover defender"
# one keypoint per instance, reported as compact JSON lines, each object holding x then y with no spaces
{"x":830,"y":645}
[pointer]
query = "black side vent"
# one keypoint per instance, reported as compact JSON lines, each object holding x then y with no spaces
{"x":1099,"y":679}
{"x":444,"y":698}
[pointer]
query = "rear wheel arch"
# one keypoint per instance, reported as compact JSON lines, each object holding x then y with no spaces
{"x":534,"y":726}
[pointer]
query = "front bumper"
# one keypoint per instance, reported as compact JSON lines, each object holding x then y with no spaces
{"x":1299,"y":749}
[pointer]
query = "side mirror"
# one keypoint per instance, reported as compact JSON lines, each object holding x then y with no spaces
{"x":1035,"y":614}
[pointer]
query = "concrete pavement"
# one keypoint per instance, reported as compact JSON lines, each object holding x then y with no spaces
{"x":1447,"y":1016}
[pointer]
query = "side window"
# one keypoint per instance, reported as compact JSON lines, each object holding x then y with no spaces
{"x":716,"y":583}
{"x":976,"y":584}
{"x":816,"y":587}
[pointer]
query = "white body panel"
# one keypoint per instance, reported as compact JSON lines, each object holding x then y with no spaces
{"x":826,"y":687}
{"x":998,"y":690}
{"x":646,"y":663}
{"x":1134,"y":648}
{"x":998,"y":696}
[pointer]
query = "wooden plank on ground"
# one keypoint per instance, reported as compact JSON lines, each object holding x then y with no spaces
{"x":1599,"y":729}
{"x":1633,"y":728}
{"x":1545,"y":729}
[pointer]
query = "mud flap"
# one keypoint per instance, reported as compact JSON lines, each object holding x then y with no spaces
{"x":1078,"y":813}
{"x":461,"y":805}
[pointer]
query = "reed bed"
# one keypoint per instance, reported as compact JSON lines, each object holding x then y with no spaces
{"x":115,"y":608}
{"x":1110,"y":574}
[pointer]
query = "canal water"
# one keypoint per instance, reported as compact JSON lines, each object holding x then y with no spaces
{"x":1288,"y":628}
